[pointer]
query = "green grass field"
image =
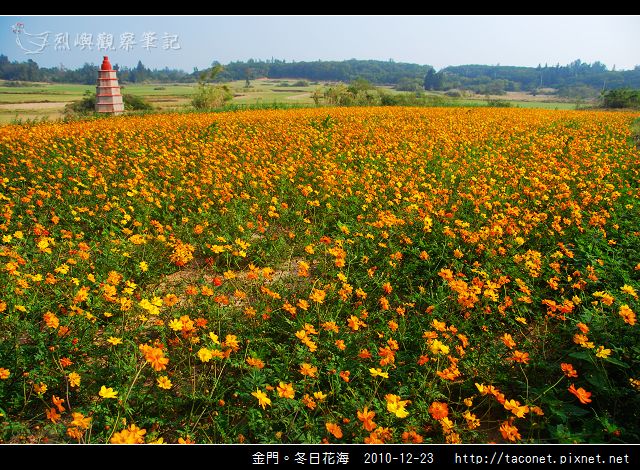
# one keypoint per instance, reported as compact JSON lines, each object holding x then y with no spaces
{"x":47,"y":101}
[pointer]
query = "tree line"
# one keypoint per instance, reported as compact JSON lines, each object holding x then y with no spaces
{"x":576,"y":80}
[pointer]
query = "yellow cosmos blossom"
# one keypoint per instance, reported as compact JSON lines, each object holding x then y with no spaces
{"x":378,"y":373}
{"x":397,"y":406}
{"x":263,"y":400}
{"x":602,"y":352}
{"x":107,"y":392}
{"x":164,"y":382}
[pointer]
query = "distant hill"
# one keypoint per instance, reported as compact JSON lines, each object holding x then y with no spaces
{"x":577,"y":79}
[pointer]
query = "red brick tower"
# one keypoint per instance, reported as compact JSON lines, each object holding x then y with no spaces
{"x":108,"y":97}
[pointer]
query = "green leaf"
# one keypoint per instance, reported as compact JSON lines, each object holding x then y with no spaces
{"x":573,"y":410}
{"x":617,"y":362}
{"x":583,"y":355}
{"x":596,"y":379}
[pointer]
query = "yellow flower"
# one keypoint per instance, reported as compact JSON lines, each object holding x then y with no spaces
{"x":378,"y":373}
{"x":80,"y":421}
{"x":285,"y":390}
{"x":627,"y":289}
{"x":114,"y":341}
{"x":164,"y":382}
{"x":144,"y":267}
{"x":317,"y":295}
{"x":131,"y":435}
{"x":396,"y":406}
{"x":214,"y":337}
{"x":107,"y":392}
{"x":40,"y":388}
{"x":74,"y":379}
{"x":205,"y":354}
{"x":263,"y":400}
{"x":175,"y":324}
{"x":603,"y":353}
{"x":438,"y":347}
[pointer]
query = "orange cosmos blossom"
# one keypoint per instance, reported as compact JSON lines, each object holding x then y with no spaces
{"x":334,"y":429}
{"x":412,"y":437}
{"x":581,"y":394}
{"x":568,"y":370}
{"x":628,"y":315}
{"x":131,"y":435}
{"x":80,"y":420}
{"x":438,"y":410}
{"x":154,"y":356}
{"x":366,"y":417}
{"x":515,"y":407}
{"x":255,"y":362}
{"x":308,"y":370}
{"x":519,"y":356}
{"x":508,"y":341}
{"x":53,"y":415}
{"x":285,"y":390}
{"x":509,"y":432}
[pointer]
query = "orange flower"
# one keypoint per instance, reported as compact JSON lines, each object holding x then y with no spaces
{"x":80,"y":421}
{"x":581,"y":394}
{"x":330,"y":326}
{"x":412,"y":437}
{"x":344,"y":375}
{"x":53,"y":415}
{"x":366,"y":417}
{"x":519,"y":356}
{"x":509,"y":432}
{"x":131,"y":435}
{"x":355,"y":323}
{"x":285,"y":390}
{"x":51,"y":320}
{"x":155,"y":357}
{"x":255,"y":362}
{"x":515,"y":407}
{"x":568,"y":370}
{"x":582,"y":327}
{"x":334,"y":429}
{"x":364,"y":354}
{"x":309,"y":402}
{"x":317,"y":295}
{"x":438,"y":410}
{"x":57,"y":401}
{"x":308,"y":370}
{"x":508,"y":341}
{"x":628,"y":316}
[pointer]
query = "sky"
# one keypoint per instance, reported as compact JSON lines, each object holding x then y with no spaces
{"x":185,"y":42}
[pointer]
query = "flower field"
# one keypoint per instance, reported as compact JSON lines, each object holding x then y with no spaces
{"x":353,"y":275}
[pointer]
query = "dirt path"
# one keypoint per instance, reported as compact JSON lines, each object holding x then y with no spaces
{"x":300,"y":96}
{"x":33,"y":106}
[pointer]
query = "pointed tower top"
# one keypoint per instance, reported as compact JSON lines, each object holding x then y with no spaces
{"x":106,"y":65}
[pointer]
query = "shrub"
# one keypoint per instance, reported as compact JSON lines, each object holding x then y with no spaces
{"x":210,"y":96}
{"x":621,"y":98}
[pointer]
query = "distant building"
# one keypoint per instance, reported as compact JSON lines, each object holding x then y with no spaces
{"x":108,"y":97}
